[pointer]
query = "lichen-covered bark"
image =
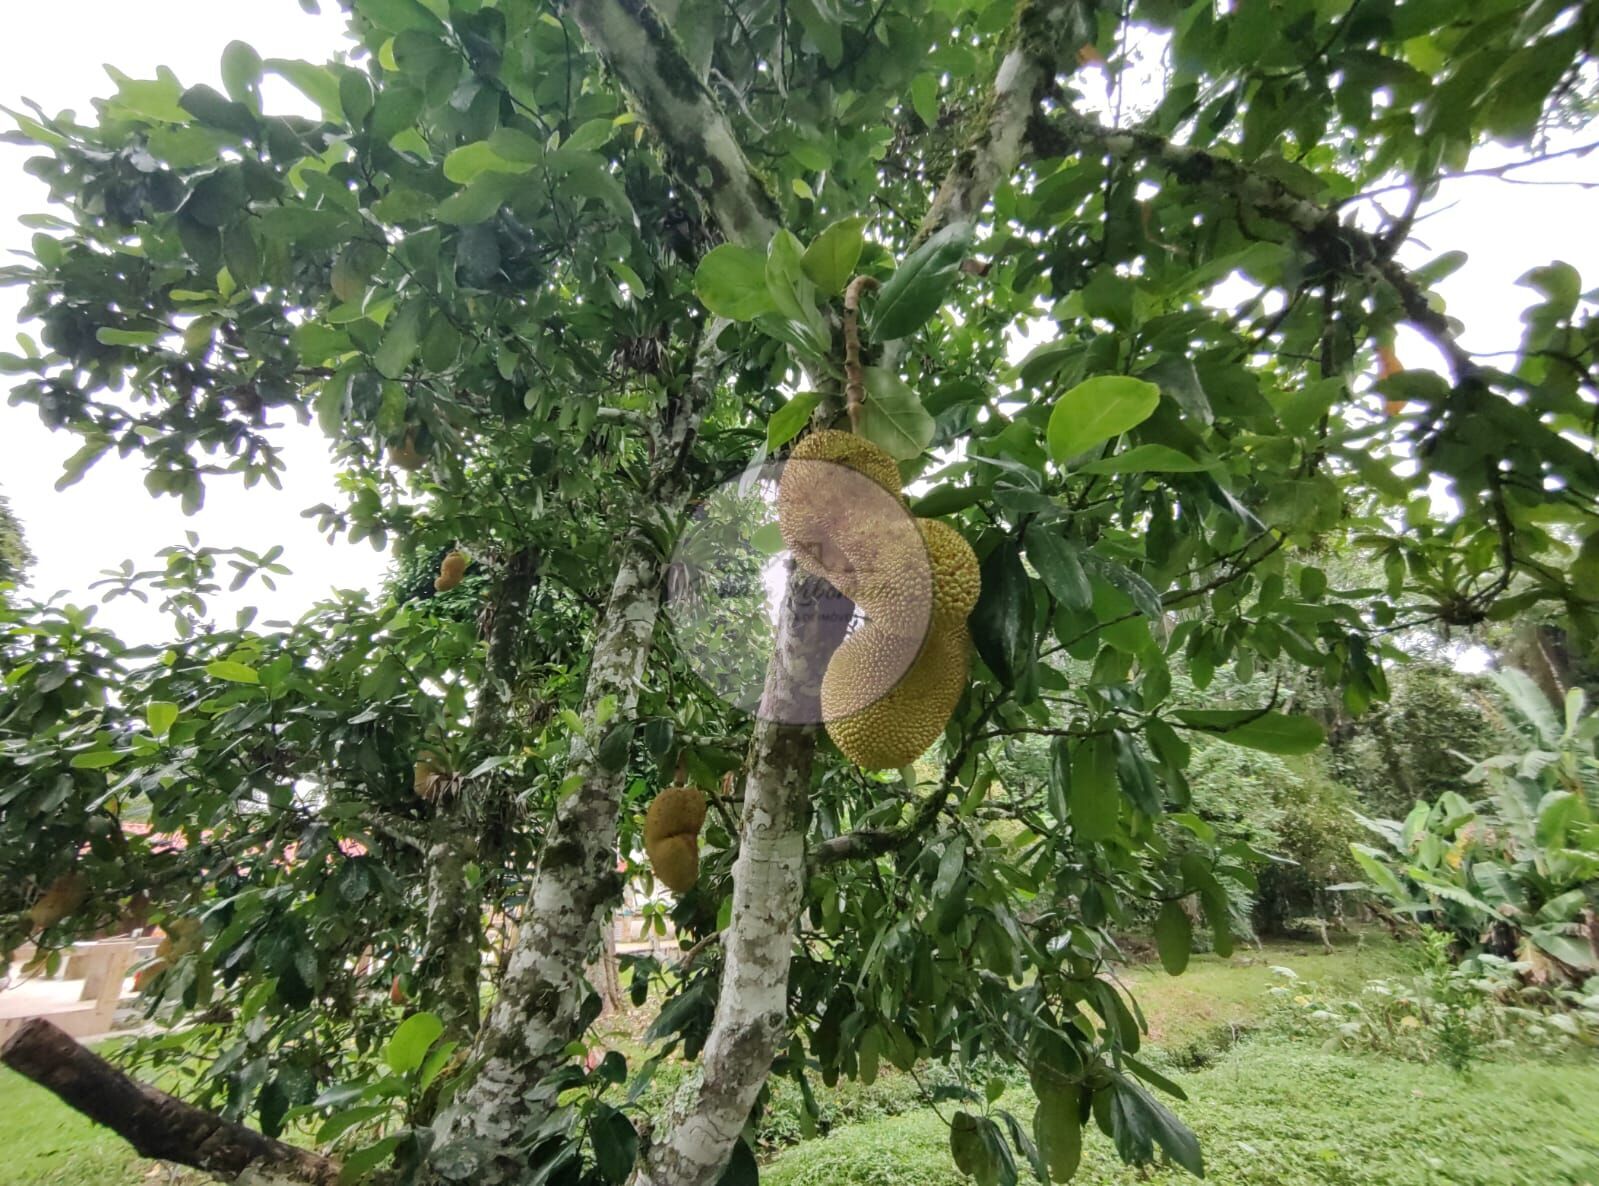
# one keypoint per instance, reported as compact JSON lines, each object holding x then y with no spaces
{"x":697,"y":1136}
{"x":539,"y":1006}
{"x":666,"y":88}
{"x":450,"y":970}
{"x":1047,"y":33}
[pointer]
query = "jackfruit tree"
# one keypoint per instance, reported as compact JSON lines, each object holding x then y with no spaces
{"x":1120,"y":291}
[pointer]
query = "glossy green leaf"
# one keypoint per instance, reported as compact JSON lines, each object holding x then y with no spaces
{"x":731,"y":282}
{"x":1002,"y":621}
{"x":1270,"y":732}
{"x":1098,"y":410}
{"x":916,"y":290}
{"x":410,"y":1042}
{"x":894,"y":418}
{"x":831,"y":258}
{"x":1174,"y":938}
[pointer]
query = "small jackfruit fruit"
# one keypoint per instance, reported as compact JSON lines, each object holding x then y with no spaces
{"x":896,"y":729}
{"x":836,"y":487}
{"x":426,"y":775}
{"x":64,"y":895}
{"x":406,"y":455}
{"x":451,"y":570}
{"x":671,"y":836}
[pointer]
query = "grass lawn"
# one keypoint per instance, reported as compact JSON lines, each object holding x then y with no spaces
{"x":1269,"y":1111}
{"x":45,"y":1143}
{"x":1274,"y":1112}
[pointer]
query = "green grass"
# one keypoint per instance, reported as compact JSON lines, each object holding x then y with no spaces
{"x":1269,"y":1112}
{"x":46,"y":1143}
{"x":1272,"y":1113}
{"x":1277,"y":1112}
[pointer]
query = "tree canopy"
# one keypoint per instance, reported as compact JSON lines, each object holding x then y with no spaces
{"x":551,"y":275}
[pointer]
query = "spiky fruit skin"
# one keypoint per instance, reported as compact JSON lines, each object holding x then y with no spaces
{"x":836,"y":488}
{"x":451,"y":571}
{"x":671,"y":836}
{"x":918,"y":575}
{"x":896,"y":729}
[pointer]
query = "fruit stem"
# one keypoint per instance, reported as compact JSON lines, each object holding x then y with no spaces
{"x":854,"y":374}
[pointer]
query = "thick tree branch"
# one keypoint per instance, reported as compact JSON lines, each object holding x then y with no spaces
{"x":1347,"y":249}
{"x":542,"y":993}
{"x":646,"y":56}
{"x":1047,"y":33}
{"x":156,"y":1124}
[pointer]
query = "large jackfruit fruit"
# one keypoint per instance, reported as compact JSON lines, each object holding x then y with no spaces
{"x":836,"y":488}
{"x":915,"y":575}
{"x":895,"y":729}
{"x":671,"y":836}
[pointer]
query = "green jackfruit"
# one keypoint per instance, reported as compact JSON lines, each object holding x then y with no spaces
{"x":896,"y":728}
{"x":671,"y":836}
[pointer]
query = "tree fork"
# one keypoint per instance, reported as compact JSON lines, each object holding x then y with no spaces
{"x":156,"y":1124}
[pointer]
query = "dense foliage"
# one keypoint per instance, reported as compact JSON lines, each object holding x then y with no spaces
{"x":518,"y":266}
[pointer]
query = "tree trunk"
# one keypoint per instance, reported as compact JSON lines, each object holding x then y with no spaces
{"x":153,"y":1122}
{"x":450,"y":971}
{"x":699,"y":1133}
{"x":542,"y":999}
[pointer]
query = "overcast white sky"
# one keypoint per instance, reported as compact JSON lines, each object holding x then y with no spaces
{"x":54,"y":53}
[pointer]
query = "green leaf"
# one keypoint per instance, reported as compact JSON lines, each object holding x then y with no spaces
{"x":479,"y":201}
{"x":400,"y":341}
{"x":1170,"y":1133}
{"x":615,"y":745}
{"x":1058,"y":1130}
{"x":161,"y":715}
{"x":615,"y":1143}
{"x":894,"y":418}
{"x":924,"y":97}
{"x":1093,"y":799}
{"x":410,"y":1042}
{"x":1059,"y":567}
{"x":241,"y":70}
{"x":823,"y":26}
{"x":1174,"y":937}
{"x":1002,"y":621}
{"x":790,"y":420}
{"x":1147,"y":459}
{"x":1269,"y":732}
{"x":917,"y":289}
{"x":466,"y":163}
{"x":831,"y":258}
{"x":215,"y":111}
{"x":397,"y":16}
{"x":107,"y":336}
{"x":235,"y":673}
{"x":97,"y":759}
{"x":1097,"y":410}
{"x":792,"y":293}
{"x":731,"y":282}
{"x":742,"y":1168}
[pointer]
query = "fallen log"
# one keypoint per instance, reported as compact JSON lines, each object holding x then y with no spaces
{"x":156,"y":1124}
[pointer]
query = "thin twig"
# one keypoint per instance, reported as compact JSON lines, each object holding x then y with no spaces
{"x":854,"y":373}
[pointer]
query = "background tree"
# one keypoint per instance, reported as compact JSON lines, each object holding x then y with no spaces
{"x":15,"y":559}
{"x":547,"y":275}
